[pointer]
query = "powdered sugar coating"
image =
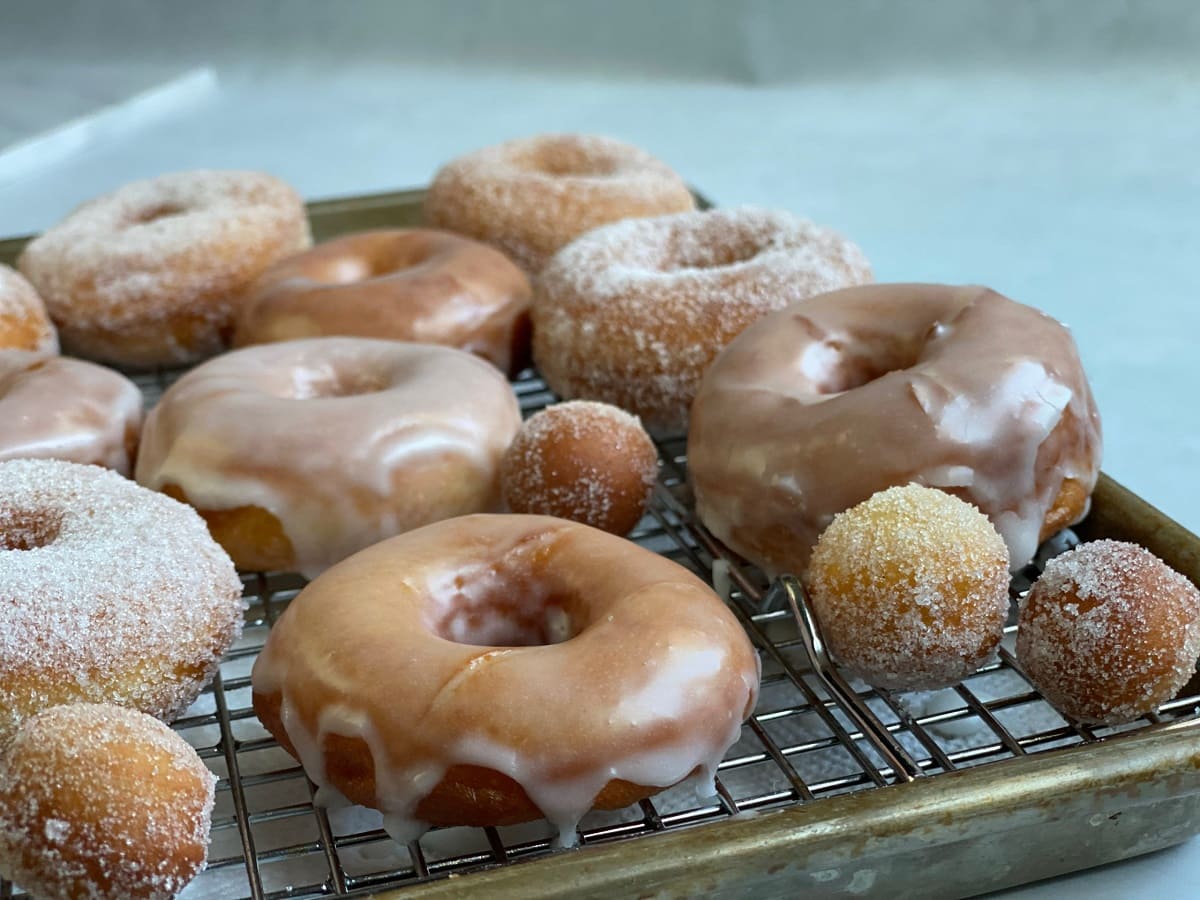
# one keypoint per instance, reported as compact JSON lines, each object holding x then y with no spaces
{"x":910,"y":588}
{"x":24,"y":324}
{"x":63,"y":408}
{"x":1109,"y":632}
{"x":97,"y":801}
{"x":584,"y":461}
{"x":151,"y":273}
{"x":108,"y":592}
{"x":533,"y":195}
{"x":633,"y":313}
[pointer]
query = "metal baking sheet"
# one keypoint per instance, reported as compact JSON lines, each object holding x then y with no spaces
{"x":1003,"y":790}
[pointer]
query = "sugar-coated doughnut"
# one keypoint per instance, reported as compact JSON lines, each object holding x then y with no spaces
{"x":533,"y":195}
{"x":61,"y":408}
{"x":632,"y":314}
{"x":584,"y":461}
{"x":1109,"y":632}
{"x":910,"y":588}
{"x":102,"y":802}
{"x":816,"y":407}
{"x":300,"y":453}
{"x":151,"y":274}
{"x":108,"y":593}
{"x":406,"y":284}
{"x":24,"y":323}
{"x":468,"y":673}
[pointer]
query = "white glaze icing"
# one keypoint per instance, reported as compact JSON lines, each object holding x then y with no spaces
{"x":60,"y":408}
{"x":560,"y":719}
{"x":346,"y":441}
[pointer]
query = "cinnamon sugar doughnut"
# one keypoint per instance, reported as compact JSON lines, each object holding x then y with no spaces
{"x":102,"y":802}
{"x":815,"y":408}
{"x":587,"y":462}
{"x":62,"y":408}
{"x":1109,"y":632}
{"x":24,"y":324}
{"x":301,"y":453}
{"x":464,"y":673}
{"x":533,"y":195}
{"x":633,"y":313}
{"x":406,"y":284}
{"x":150,"y":274}
{"x":108,"y":593}
{"x":910,"y":588}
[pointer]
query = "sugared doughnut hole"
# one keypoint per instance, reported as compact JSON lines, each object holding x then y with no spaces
{"x":101,"y":801}
{"x":584,"y":461}
{"x":1109,"y":632}
{"x":910,"y":588}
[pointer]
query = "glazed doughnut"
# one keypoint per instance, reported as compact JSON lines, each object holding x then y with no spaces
{"x":632,"y":314}
{"x":547,"y":668}
{"x":815,"y":408}
{"x":533,"y":195}
{"x":24,"y":324}
{"x":102,"y":802}
{"x":150,"y":274}
{"x":910,"y":588}
{"x":584,"y":461}
{"x":108,"y":593}
{"x":60,"y":408}
{"x":301,"y":453}
{"x":407,"y":284}
{"x":1109,"y":632}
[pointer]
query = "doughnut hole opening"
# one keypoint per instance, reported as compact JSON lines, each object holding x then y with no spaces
{"x":345,"y":270}
{"x":837,"y":365}
{"x":310,"y":384}
{"x":569,"y":158}
{"x":351,"y":269}
{"x":711,"y":254}
{"x":156,"y":213}
{"x":501,"y":609}
{"x":24,"y":529}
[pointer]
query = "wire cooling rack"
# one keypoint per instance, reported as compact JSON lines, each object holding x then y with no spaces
{"x":811,"y":736}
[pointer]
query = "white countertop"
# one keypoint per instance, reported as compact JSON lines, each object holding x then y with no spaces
{"x":1074,"y":191}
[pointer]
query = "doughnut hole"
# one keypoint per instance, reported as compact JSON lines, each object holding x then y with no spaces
{"x":317,"y":384}
{"x":588,"y":462}
{"x":910,"y":588}
{"x":506,"y":607}
{"x":100,"y":801}
{"x":837,"y":364}
{"x":1109,"y":632}
{"x":716,"y":255}
{"x":565,"y":156}
{"x":24,"y":529}
{"x":156,"y":212}
{"x":504,"y":618}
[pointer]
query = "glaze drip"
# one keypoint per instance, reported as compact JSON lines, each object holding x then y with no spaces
{"x":819,"y":406}
{"x":674,"y":706}
{"x":346,"y":441}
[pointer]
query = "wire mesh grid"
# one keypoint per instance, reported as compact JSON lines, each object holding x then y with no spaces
{"x":807,"y":739}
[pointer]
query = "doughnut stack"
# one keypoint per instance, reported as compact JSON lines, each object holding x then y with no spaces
{"x":347,"y":414}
